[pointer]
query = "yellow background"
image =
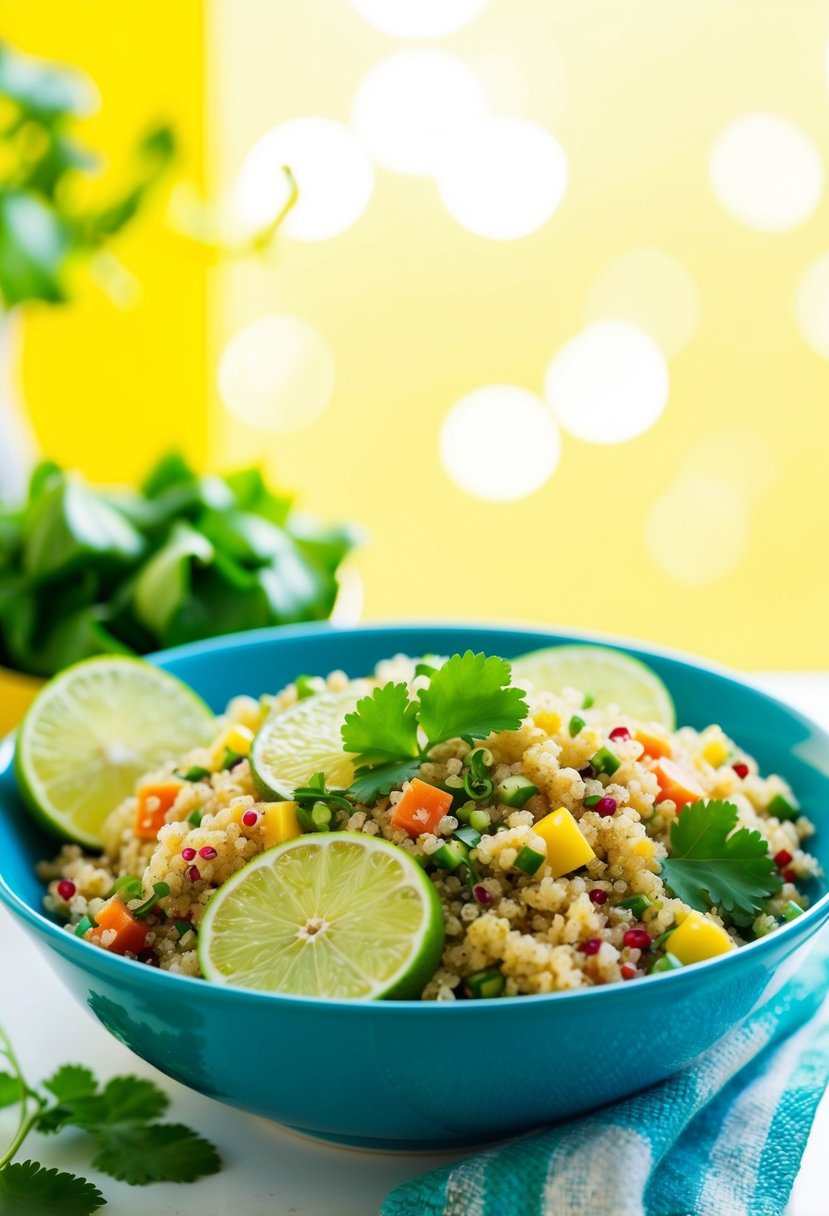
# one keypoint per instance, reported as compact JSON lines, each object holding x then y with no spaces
{"x":418,"y":311}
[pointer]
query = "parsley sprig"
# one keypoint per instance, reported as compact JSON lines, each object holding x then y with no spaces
{"x":469,"y":697}
{"x":712,"y":865}
{"x":122,"y":1119}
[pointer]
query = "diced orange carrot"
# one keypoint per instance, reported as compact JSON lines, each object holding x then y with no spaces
{"x":130,"y":934}
{"x":655,"y":745}
{"x":676,"y":783}
{"x":154,"y":801}
{"x":421,"y":808}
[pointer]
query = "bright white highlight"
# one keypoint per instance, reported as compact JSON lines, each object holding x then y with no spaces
{"x":410,"y":107}
{"x":503,"y":178}
{"x":812,"y":306}
{"x":767,"y":172}
{"x":500,"y":443}
{"x":652,"y":290}
{"x":418,"y":18}
{"x":277,"y":374}
{"x":608,"y":384}
{"x":333,"y":172}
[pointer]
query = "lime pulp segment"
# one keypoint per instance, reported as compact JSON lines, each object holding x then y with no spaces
{"x":609,"y":676}
{"x":93,"y":731}
{"x":295,"y":743}
{"x":339,"y":915}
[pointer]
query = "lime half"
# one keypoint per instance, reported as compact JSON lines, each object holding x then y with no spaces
{"x":93,"y":731}
{"x":295,"y":743}
{"x":610,"y":677}
{"x":336,"y":914}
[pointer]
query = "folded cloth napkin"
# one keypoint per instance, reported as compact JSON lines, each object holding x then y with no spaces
{"x":723,"y":1138}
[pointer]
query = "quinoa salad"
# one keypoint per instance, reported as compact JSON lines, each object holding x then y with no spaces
{"x":561,"y":836}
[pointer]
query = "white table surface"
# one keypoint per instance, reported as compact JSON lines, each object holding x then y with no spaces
{"x":267,"y":1172}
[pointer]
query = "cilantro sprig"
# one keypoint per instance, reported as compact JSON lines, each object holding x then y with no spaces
{"x":712,"y":865}
{"x":121,"y":1117}
{"x":469,"y":697}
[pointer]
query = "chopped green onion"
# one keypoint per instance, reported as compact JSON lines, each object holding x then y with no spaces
{"x":604,"y":761}
{"x":454,"y":782}
{"x":321,"y":815}
{"x":468,"y":835}
{"x":791,"y":910}
{"x":480,"y":821}
{"x":593,"y":800}
{"x":479,"y":790}
{"x":160,"y":889}
{"x":128,"y":886}
{"x":668,"y":962}
{"x":576,"y":724}
{"x":480,"y":762}
{"x":515,"y":791}
{"x":196,"y":773}
{"x":464,"y":813}
{"x":484,"y":983}
{"x":529,"y":860}
{"x":308,"y":686}
{"x":588,"y":701}
{"x":450,"y":855}
{"x":84,"y":925}
{"x":182,"y":927}
{"x":637,"y":904}
{"x":195,"y":818}
{"x":303,"y":816}
{"x":230,"y":758}
{"x":660,"y":941}
{"x":782,"y":809}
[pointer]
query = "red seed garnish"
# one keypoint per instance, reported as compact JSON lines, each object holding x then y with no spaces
{"x":637,"y":939}
{"x":789,"y":875}
{"x":208,"y":852}
{"x":783,"y":859}
{"x":619,"y":733}
{"x":481,"y":894}
{"x":250,"y":819}
{"x":592,"y":946}
{"x":194,"y":873}
{"x":598,"y":896}
{"x":628,"y":971}
{"x":740,"y":769}
{"x":66,"y":889}
{"x":606,"y":806}
{"x":188,"y":854}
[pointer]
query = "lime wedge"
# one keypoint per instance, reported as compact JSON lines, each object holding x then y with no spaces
{"x":336,"y":914}
{"x":295,"y":743}
{"x":610,"y":677}
{"x":93,"y":731}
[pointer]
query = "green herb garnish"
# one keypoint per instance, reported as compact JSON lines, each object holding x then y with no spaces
{"x":468,"y":697}
{"x":712,"y":865}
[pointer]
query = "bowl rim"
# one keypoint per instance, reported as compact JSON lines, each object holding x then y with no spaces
{"x":78,"y":950}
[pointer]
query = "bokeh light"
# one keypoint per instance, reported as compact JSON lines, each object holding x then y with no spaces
{"x":812,"y":305}
{"x":607,"y":384}
{"x":766,"y":172}
{"x":698,"y":530}
{"x":418,"y":18}
{"x":410,"y":106}
{"x":277,"y":374}
{"x":500,"y":443}
{"x":333,"y":172}
{"x":737,"y":455}
{"x":652,"y":290}
{"x":503,"y":178}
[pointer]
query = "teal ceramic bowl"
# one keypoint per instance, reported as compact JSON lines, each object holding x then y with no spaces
{"x":410,"y":1074}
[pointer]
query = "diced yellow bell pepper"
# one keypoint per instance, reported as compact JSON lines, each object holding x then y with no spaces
{"x":698,"y":938}
{"x":279,"y":823}
{"x":236,"y":739}
{"x":715,"y":752}
{"x":548,"y":721}
{"x":644,"y":848}
{"x":567,"y":848}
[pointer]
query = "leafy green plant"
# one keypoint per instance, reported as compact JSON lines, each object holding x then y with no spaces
{"x":85,"y":571}
{"x":46,"y":225}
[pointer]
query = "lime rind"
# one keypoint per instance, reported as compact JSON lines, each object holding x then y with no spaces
{"x":339,"y":915}
{"x":610,"y":676}
{"x":92,"y":731}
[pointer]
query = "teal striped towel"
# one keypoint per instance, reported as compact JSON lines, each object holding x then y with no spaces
{"x":723,"y":1138}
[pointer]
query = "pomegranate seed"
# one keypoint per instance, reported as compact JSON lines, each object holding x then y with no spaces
{"x":789,"y":875}
{"x":66,"y":889}
{"x":628,"y":971}
{"x":598,"y":896}
{"x":188,"y":854}
{"x":208,"y":852}
{"x":250,"y":819}
{"x":783,"y":859}
{"x":482,"y":896}
{"x":606,"y":806}
{"x":194,"y":873}
{"x":637,"y":939}
{"x":592,"y":946}
{"x":740,"y":769}
{"x":587,"y":771}
{"x":619,"y":734}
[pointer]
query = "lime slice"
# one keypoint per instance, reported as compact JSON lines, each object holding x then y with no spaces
{"x":295,"y":743}
{"x":336,"y":914}
{"x":93,"y":731}
{"x":610,"y":677}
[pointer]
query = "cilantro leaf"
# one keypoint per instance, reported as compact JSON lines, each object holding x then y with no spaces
{"x":711,"y":864}
{"x":369,"y":784}
{"x":470,"y":697}
{"x":162,"y":1152}
{"x":9,"y":1089}
{"x":71,"y":1081}
{"x":122,"y":1100}
{"x":382,"y":726}
{"x":28,"y":1189}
